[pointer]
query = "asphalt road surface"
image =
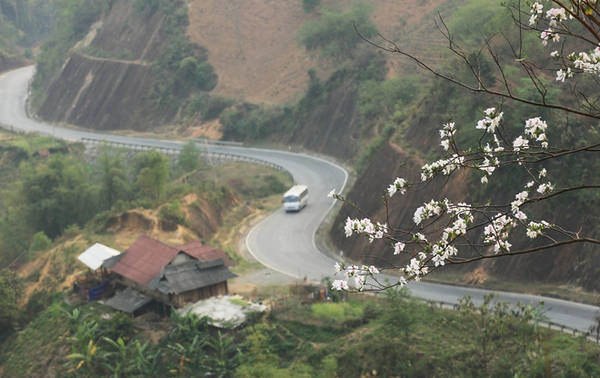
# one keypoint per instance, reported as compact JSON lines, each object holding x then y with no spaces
{"x":284,"y":242}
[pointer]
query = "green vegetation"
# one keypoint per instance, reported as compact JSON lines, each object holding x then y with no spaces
{"x":76,"y":16}
{"x":334,"y":35}
{"x":250,"y":122}
{"x":189,"y":157}
{"x":40,"y":242}
{"x":24,"y":22}
{"x":387,"y":98}
{"x":57,"y":193}
{"x":183,"y":67}
{"x":9,"y":292}
{"x":310,"y":5}
{"x":393,"y":335}
{"x":172,"y":212}
{"x":151,"y":170}
{"x":208,"y":106}
{"x":44,"y":198}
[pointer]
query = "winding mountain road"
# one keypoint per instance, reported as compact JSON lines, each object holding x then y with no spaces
{"x":284,"y":242}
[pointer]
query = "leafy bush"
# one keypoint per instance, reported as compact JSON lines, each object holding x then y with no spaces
{"x":272,"y":184}
{"x":38,"y":302}
{"x":247,"y":121}
{"x":196,"y":74}
{"x":40,"y":242}
{"x":10,"y":288}
{"x":72,"y":230}
{"x":183,"y":66}
{"x":381,"y":99}
{"x":337,"y":312}
{"x":189,"y":157}
{"x":210,"y":107}
{"x":173,"y":213}
{"x":334,"y":34}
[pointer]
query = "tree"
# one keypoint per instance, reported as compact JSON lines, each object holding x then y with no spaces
{"x":189,"y":157}
{"x":152,"y":171}
{"x":447,"y":231}
{"x":115,"y":185}
{"x":9,"y":294}
{"x":40,"y":242}
{"x":57,"y":193}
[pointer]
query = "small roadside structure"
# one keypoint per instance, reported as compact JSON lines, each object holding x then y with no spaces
{"x":129,"y":301}
{"x":94,"y":283}
{"x":95,"y":256}
{"x":173,"y":276}
{"x":193,"y":280}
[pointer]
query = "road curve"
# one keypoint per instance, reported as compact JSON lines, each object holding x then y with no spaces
{"x":284,"y":241}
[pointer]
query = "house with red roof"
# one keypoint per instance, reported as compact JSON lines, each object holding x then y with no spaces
{"x":174,"y":276}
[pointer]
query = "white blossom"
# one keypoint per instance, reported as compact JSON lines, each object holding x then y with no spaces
{"x":399,"y":185}
{"x":535,"y":229}
{"x":545,"y":188}
{"x":399,"y":247}
{"x":556,"y":15}
{"x":520,"y":143}
{"x":491,"y":121}
{"x":339,"y":285}
{"x":536,"y":10}
{"x":561,"y":74}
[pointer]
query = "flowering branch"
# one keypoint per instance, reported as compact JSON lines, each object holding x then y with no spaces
{"x":441,"y":228}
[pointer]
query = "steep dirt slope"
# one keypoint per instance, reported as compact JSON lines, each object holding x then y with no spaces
{"x":111,"y":91}
{"x":254,"y":47}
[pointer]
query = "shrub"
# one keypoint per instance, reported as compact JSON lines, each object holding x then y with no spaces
{"x":334,"y":34}
{"x":173,"y":213}
{"x":40,"y":242}
{"x":337,"y":312}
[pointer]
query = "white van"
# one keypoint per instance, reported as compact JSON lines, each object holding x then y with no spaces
{"x":295,"y":198}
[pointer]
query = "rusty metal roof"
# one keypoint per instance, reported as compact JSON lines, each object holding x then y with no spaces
{"x":144,"y":260}
{"x":205,"y":252}
{"x":147,"y":262}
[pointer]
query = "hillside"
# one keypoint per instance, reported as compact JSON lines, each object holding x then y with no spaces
{"x":259,"y":85}
{"x":106,"y":83}
{"x":254,"y":46}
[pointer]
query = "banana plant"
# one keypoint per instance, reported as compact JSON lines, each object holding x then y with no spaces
{"x":224,"y":357}
{"x":85,"y":361}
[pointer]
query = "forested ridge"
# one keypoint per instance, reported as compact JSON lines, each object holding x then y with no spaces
{"x":23,"y":23}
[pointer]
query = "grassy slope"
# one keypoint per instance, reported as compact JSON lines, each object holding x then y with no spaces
{"x":349,"y":339}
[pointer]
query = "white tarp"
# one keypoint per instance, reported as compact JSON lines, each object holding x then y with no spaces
{"x":94,"y":256}
{"x":222,"y":311}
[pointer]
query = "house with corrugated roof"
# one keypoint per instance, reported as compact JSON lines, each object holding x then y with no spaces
{"x":152,"y":270}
